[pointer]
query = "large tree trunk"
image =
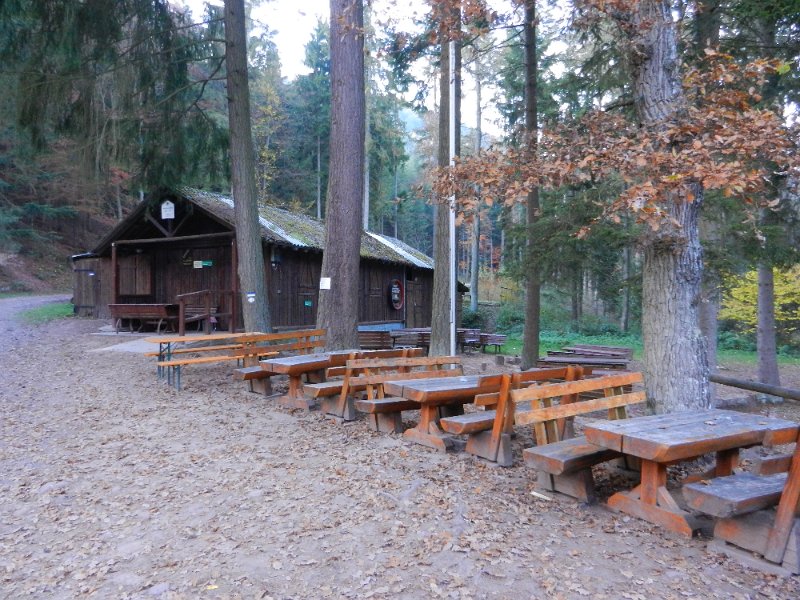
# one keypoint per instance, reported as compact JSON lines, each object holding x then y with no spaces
{"x":530,"y":335}
{"x":441,"y":318}
{"x":338,"y":306}
{"x":709,"y":313}
{"x":675,"y":358}
{"x":765,"y":330}
{"x":255,"y":308}
{"x":475,"y":256}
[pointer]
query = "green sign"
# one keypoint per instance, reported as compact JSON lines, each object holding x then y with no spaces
{"x":307,"y":303}
{"x":208,"y":263}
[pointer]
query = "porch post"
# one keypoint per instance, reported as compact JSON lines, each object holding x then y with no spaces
{"x":114,"y":275}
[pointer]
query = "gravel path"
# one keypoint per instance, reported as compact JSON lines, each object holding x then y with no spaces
{"x":114,"y":485}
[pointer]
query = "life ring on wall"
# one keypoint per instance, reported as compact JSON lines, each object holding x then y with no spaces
{"x":397,"y":294}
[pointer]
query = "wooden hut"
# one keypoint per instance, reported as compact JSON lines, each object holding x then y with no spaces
{"x":182,"y":242}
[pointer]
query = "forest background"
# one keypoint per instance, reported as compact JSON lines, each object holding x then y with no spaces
{"x":107,"y":100}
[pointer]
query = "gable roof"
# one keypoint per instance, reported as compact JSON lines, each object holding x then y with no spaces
{"x":281,"y":227}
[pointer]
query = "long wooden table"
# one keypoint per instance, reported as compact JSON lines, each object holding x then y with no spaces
{"x":663,"y":440}
{"x":311,"y":365}
{"x":436,"y":396}
{"x":167,"y":343}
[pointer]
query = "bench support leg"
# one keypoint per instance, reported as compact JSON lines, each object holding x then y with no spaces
{"x":480,"y":444}
{"x":330,"y":405}
{"x":261,"y":386}
{"x":579,"y":484}
{"x":386,"y":422}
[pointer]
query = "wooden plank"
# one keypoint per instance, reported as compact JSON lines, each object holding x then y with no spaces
{"x":738,"y":494}
{"x":420,"y":361}
{"x":788,"y":509}
{"x":468,"y":423}
{"x":385,"y":405}
{"x":574,"y":387}
{"x":768,"y":465}
{"x":567,"y":456}
{"x":541,"y":415}
{"x":364,"y":380}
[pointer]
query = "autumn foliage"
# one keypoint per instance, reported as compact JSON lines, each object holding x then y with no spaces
{"x":724,"y":139}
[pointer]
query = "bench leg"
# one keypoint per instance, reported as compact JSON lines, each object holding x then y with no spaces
{"x":330,"y":405}
{"x":386,"y":422}
{"x":261,"y":386}
{"x":480,"y":444}
{"x":579,"y":485}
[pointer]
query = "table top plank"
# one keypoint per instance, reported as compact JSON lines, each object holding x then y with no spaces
{"x":302,"y":363}
{"x":679,"y":436}
{"x":200,"y":337}
{"x":443,"y":390}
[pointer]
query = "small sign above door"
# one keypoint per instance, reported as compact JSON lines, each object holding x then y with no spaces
{"x":167,"y":210}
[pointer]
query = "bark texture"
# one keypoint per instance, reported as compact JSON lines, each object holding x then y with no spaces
{"x":765,"y":330}
{"x":248,"y":229}
{"x":440,"y":318}
{"x":338,"y":306}
{"x":675,"y":356}
{"x":530,"y":334}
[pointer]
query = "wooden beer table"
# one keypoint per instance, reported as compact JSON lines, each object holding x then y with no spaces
{"x":663,"y":440}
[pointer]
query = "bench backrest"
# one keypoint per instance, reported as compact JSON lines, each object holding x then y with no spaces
{"x":138,"y":311}
{"x":544,"y":416}
{"x":371,"y":373}
{"x":302,"y":341}
{"x":385,"y":353}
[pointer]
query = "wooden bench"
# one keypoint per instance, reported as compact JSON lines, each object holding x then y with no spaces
{"x":742,"y":504}
{"x":492,"y":339}
{"x":564,"y":464}
{"x":302,"y":341}
{"x":374,"y":340}
{"x":335,"y":377}
{"x":248,"y":349}
{"x":157,"y":314}
{"x":489,"y":431}
{"x":385,"y":413}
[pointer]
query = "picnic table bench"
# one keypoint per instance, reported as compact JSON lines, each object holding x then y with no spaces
{"x":437,"y":398}
{"x":662,"y":440}
{"x":742,"y":505}
{"x":374,"y":340}
{"x":489,"y":431}
{"x":492,"y":339}
{"x":246,"y":348}
{"x":384,"y":413}
{"x":144,"y":314}
{"x":564,"y":462}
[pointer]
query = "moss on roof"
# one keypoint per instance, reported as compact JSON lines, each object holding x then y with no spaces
{"x":284,"y":227}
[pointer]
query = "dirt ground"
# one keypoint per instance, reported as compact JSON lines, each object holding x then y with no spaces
{"x":115,"y":485}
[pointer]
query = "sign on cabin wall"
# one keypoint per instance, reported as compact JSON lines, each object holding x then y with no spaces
{"x":167,"y":210}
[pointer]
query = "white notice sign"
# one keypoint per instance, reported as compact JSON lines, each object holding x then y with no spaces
{"x":198,"y":264}
{"x":167,"y":210}
{"x":325,"y":283}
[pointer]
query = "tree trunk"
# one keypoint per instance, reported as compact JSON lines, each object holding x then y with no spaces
{"x":319,"y":177}
{"x":765,"y":330}
{"x":338,"y":305}
{"x":440,"y":318}
{"x":255,"y":307}
{"x":530,"y":334}
{"x":675,"y":357}
{"x":709,"y":311}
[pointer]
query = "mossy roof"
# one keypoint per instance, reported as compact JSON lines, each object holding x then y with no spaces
{"x":283,"y":227}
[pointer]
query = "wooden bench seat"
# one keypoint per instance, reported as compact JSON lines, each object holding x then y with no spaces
{"x":734,"y":495}
{"x":746,"y":523}
{"x":567,"y":456}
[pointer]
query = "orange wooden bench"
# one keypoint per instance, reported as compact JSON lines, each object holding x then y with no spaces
{"x":743,"y":506}
{"x":489,"y":431}
{"x":564,"y":463}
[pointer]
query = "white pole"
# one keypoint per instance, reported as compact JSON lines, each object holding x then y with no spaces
{"x":452,"y":225}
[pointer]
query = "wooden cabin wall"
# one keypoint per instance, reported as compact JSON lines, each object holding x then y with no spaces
{"x":419,"y":298}
{"x":375,"y":280}
{"x":91,"y":291}
{"x":292,"y":286}
{"x":176,"y":273}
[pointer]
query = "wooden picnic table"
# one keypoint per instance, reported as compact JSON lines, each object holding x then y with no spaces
{"x":311,"y":365}
{"x":663,"y":440}
{"x":586,"y":361}
{"x":436,"y":396}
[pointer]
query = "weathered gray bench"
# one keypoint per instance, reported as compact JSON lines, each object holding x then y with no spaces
{"x":742,"y":504}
